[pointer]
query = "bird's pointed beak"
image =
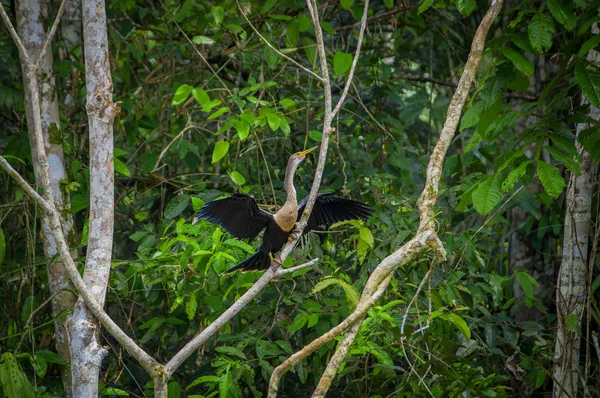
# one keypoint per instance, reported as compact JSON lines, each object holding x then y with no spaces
{"x":302,"y":155}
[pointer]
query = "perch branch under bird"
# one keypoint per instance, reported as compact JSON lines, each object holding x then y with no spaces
{"x":241,"y":217}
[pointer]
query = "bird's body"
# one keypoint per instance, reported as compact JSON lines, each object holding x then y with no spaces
{"x":241,"y":216}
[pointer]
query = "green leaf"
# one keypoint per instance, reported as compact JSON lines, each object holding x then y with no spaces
{"x":243,"y":129}
{"x":218,"y":14}
{"x":460,"y":324}
{"x":176,"y":206}
{"x":425,"y":5}
{"x":540,"y":31}
{"x":15,"y":383}
{"x":570,"y":162}
{"x":225,"y":382}
{"x":203,"y":40}
{"x":519,"y":60}
{"x":274,"y":120}
{"x":527,"y":283}
{"x":197,"y":203}
{"x":174,"y":390}
{"x":562,"y":13}
{"x":551,"y":179}
{"x":115,"y":391}
{"x":2,"y":246}
{"x":181,"y":94}
{"x":237,"y":178}
{"x":471,"y":116}
{"x":341,"y":62}
{"x":514,"y":175}
{"x":312,"y":320}
{"x":589,"y":81}
{"x":218,"y":113}
{"x":191,"y":306}
{"x":221,"y":149}
{"x":346,"y":4}
{"x":466,"y":7}
{"x":298,"y":323}
{"x":203,"y":379}
{"x":589,"y":45}
{"x":200,"y":96}
{"x":366,"y":235}
{"x":487,"y":194}
{"x":322,"y":284}
{"x":121,"y":168}
{"x":590,"y":140}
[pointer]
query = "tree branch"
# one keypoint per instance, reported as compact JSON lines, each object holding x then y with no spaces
{"x":52,"y":32}
{"x":426,"y":238}
{"x":264,"y":40}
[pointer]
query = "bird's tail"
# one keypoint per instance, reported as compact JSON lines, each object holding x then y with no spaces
{"x":258,"y":261}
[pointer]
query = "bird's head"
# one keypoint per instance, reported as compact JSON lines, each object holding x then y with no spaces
{"x":300,"y":156}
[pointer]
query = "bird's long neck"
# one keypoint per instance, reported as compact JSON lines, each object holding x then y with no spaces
{"x":287,"y":215}
{"x":288,"y":185}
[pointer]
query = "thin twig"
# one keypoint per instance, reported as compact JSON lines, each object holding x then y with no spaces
{"x":14,"y":35}
{"x":361,"y":34}
{"x":162,"y":153}
{"x":52,"y":32}
{"x":264,"y":40}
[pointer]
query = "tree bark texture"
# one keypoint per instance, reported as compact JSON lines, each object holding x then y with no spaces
{"x":31,"y":19}
{"x":85,"y":345}
{"x":572,"y":286}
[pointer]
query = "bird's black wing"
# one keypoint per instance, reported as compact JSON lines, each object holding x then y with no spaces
{"x":238,"y":214}
{"x":329,"y":209}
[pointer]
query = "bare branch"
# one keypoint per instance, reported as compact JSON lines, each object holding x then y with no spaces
{"x":285,"y":271}
{"x":361,"y":34}
{"x":14,"y":35}
{"x":426,"y":238}
{"x":165,"y":149}
{"x":264,"y":40}
{"x":434,"y":168}
{"x":52,"y":32}
{"x":147,"y":362}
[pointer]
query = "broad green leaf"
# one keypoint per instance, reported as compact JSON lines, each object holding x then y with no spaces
{"x":527,"y":283}
{"x":471,"y":116}
{"x":225,"y":382}
{"x":590,"y":140}
{"x":366,"y":235}
{"x":570,"y":162}
{"x":15,"y":383}
{"x":237,"y":178}
{"x":515,"y":175}
{"x":551,"y":179}
{"x":460,"y":324}
{"x":218,"y":14}
{"x":221,"y":149}
{"x":197,"y":203}
{"x":174,"y":390}
{"x":589,"y":81}
{"x":181,"y":94}
{"x":243,"y":129}
{"x":191,"y":306}
{"x":520,"y":61}
{"x":121,"y":168}
{"x":274,"y":120}
{"x":116,"y":391}
{"x":200,"y":96}
{"x":589,"y":45}
{"x":176,"y":206}
{"x":466,"y":7}
{"x":323,"y":283}
{"x":563,"y":14}
{"x":218,"y":113}
{"x":203,"y":379}
{"x":312,"y":320}
{"x":341,"y":62}
{"x":487,"y":194}
{"x":346,"y":4}
{"x":203,"y":40}
{"x":298,"y":323}
{"x":540,"y":31}
{"x":425,"y":5}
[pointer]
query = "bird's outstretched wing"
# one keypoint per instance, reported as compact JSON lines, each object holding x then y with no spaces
{"x":238,"y":214}
{"x":330,"y":209}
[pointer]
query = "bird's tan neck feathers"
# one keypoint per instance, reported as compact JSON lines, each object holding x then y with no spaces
{"x":286,"y":216}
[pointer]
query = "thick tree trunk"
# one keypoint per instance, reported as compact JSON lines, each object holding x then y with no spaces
{"x":85,"y":345}
{"x":31,"y":19}
{"x":572,"y":281}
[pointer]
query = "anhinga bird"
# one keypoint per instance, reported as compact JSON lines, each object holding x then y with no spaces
{"x":241,"y":217}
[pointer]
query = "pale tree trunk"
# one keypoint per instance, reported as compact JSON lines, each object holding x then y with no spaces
{"x":31,"y":19}
{"x":571,"y":285}
{"x":86,"y":349}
